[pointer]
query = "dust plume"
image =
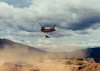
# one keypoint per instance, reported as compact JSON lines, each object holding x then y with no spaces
{"x":18,"y":57}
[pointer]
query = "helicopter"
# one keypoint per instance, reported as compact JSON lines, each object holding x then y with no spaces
{"x":47,"y":30}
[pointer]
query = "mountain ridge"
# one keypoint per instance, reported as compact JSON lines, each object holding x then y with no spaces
{"x":80,"y":53}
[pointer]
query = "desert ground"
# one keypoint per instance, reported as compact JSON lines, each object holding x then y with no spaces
{"x":68,"y":64}
{"x":18,"y":57}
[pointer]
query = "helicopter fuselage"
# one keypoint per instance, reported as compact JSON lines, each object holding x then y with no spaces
{"x":48,"y":30}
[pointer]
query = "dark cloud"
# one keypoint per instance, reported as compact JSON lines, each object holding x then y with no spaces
{"x":89,"y":17}
{"x":29,"y":28}
{"x":86,"y":19}
{"x":24,"y":28}
{"x":85,"y":23}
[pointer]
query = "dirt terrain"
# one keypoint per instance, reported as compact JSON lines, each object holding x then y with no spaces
{"x":69,"y":64}
{"x":18,"y":57}
{"x":80,"y":64}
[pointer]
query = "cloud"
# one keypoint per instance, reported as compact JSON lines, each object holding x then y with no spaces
{"x":27,"y":34}
{"x":67,"y":15}
{"x":18,"y":3}
{"x":50,"y":45}
{"x":76,"y":21}
{"x":87,"y":19}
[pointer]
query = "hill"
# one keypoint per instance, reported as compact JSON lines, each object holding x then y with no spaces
{"x":13,"y":51}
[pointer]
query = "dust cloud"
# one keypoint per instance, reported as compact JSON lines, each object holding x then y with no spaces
{"x":18,"y":57}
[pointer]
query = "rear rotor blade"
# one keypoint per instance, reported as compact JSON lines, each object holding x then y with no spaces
{"x":53,"y":25}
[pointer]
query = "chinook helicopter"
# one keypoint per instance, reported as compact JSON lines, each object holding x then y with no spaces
{"x":47,"y":30}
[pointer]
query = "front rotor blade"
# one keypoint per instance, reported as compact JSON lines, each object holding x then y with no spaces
{"x":41,"y":25}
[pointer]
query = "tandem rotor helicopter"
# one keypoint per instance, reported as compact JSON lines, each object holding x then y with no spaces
{"x":47,"y":30}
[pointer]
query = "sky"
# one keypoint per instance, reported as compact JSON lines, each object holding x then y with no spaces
{"x":77,"y":23}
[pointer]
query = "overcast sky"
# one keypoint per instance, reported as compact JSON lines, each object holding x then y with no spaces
{"x":77,"y":23}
